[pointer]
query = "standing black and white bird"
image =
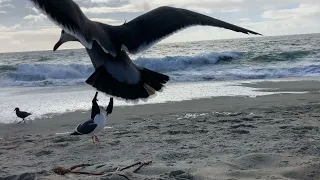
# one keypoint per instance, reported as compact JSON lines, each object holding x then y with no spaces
{"x":108,"y":45}
{"x":22,"y":114}
{"x":97,"y":121}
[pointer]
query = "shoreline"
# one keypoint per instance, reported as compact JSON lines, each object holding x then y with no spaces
{"x":123,"y":114}
{"x":77,"y":99}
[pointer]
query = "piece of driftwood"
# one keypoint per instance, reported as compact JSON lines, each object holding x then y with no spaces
{"x":63,"y":171}
{"x":144,"y":163}
{"x":141,"y":165}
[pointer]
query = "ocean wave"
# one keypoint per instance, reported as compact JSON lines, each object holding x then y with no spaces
{"x":172,"y":63}
{"x":39,"y":72}
{"x":204,"y":67}
{"x":245,"y":73}
{"x":7,"y":68}
{"x":45,"y":74}
{"x":280,"y":56}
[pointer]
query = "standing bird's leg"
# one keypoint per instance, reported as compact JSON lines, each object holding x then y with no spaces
{"x":96,"y":138}
{"x":24,"y":121}
{"x":93,"y":140}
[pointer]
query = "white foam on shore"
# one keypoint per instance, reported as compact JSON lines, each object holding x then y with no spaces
{"x":41,"y":101}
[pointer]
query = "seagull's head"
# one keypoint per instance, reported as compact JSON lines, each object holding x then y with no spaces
{"x":65,"y":37}
{"x":16,"y":109}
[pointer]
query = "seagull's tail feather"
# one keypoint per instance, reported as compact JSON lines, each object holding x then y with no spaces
{"x":76,"y":131}
{"x":150,"y":83}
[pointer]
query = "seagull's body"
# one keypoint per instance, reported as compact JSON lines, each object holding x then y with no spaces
{"x":119,"y":76}
{"x":22,"y":115}
{"x":97,"y":121}
{"x":108,"y":45}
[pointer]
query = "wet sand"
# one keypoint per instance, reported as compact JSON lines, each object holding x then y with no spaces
{"x":267,"y":137}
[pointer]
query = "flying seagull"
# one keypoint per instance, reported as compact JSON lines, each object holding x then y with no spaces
{"x":119,"y":76}
{"x":22,"y":115}
{"x":108,"y":45}
{"x":97,"y":121}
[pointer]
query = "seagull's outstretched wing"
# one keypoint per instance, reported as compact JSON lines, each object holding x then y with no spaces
{"x":147,"y":29}
{"x":68,"y":16}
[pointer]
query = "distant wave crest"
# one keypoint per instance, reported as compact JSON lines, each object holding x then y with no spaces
{"x":173,"y":63}
{"x":35,"y":72}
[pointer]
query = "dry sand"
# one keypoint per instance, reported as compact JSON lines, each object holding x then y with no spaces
{"x":269,"y":137}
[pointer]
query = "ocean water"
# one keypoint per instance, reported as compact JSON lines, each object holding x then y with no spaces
{"x":49,"y":82}
{"x":236,"y":59}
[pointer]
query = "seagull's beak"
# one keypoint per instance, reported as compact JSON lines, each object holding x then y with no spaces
{"x":64,"y":37}
{"x":58,"y":44}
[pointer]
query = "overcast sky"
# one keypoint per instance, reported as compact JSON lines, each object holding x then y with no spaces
{"x":23,"y":28}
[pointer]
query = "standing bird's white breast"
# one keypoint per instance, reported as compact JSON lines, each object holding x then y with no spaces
{"x":100,"y":120}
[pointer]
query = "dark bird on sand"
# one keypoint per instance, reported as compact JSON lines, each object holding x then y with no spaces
{"x":22,"y":115}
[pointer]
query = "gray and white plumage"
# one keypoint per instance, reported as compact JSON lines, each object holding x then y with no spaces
{"x":119,"y":76}
{"x":134,"y":36}
{"x":86,"y":127}
{"x":97,"y":121}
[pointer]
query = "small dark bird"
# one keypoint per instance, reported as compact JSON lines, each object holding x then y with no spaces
{"x":22,"y":114}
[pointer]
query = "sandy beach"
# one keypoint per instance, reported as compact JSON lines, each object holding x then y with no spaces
{"x":220,"y":138}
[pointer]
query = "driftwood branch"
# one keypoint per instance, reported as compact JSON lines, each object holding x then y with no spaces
{"x":130,"y":166}
{"x":63,"y":171}
{"x":138,"y":168}
{"x":141,"y":165}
